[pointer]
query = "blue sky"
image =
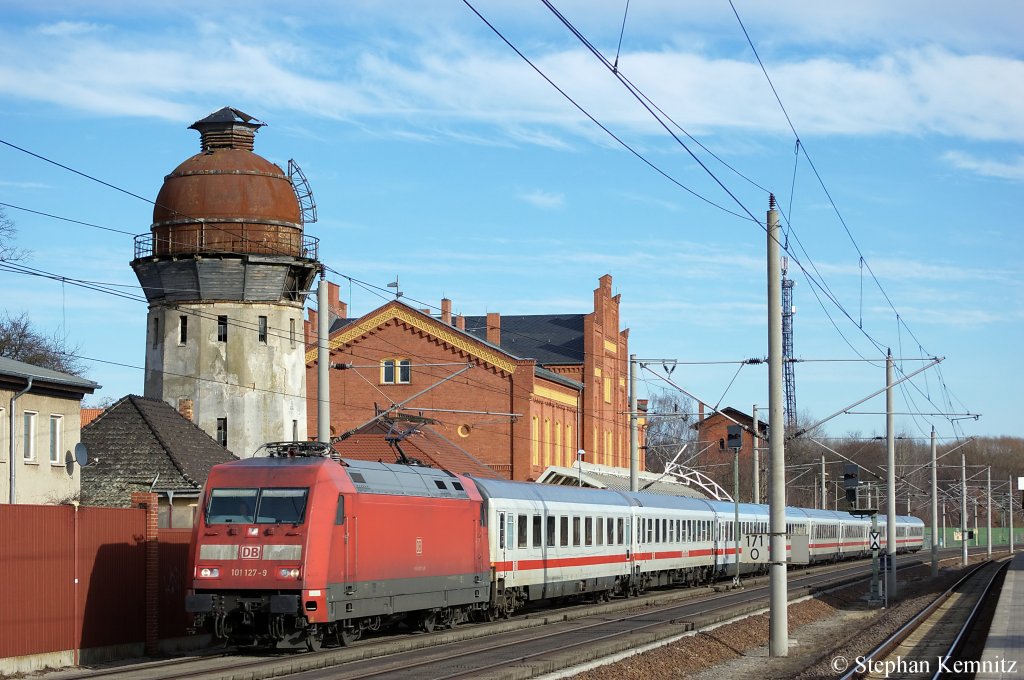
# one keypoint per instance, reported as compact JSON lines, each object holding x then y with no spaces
{"x":438,"y":155}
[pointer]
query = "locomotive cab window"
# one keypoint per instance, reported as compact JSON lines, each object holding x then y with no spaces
{"x":257,"y":506}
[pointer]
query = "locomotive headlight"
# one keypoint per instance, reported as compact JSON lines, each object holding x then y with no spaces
{"x":289,"y":572}
{"x":209,"y":572}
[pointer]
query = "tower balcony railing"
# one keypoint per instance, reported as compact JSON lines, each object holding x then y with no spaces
{"x":237,"y":239}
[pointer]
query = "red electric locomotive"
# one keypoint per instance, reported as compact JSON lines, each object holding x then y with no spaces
{"x":291,"y":549}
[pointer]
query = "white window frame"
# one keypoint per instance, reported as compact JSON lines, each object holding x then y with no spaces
{"x":28,"y":437}
{"x":56,"y":438}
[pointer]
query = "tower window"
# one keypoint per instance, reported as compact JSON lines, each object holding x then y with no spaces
{"x":156,"y":332}
{"x":396,"y":371}
{"x":222,"y":432}
{"x":291,"y":331}
{"x":263,"y":329}
{"x":182,"y":329}
{"x":222,"y":328}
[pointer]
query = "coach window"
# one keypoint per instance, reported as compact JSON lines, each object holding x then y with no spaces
{"x":600,"y":530}
{"x":620,"y":533}
{"x":657,"y":531}
{"x":537,"y":531}
{"x":551,"y":531}
{"x":611,"y":531}
{"x":501,"y":531}
{"x":563,"y":531}
{"x":575,"y":530}
{"x":523,"y":532}
{"x":588,"y":531}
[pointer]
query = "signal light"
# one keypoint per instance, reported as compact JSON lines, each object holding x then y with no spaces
{"x":209,"y":572}
{"x":289,"y":572}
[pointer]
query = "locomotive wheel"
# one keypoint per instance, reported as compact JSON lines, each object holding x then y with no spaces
{"x":346,"y":636}
{"x":314,"y":641}
{"x":427,"y":622}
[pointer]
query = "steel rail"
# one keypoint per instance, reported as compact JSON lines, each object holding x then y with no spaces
{"x":859,"y":669}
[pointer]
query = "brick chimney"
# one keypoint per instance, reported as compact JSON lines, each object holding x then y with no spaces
{"x":185,"y":408}
{"x":337,"y":308}
{"x":446,"y":311}
{"x":494,"y":328}
{"x":460,"y":322}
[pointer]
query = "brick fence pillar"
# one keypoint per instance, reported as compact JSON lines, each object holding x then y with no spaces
{"x":148,"y":502}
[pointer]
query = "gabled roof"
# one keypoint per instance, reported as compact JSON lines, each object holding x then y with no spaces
{"x":139,"y":444}
{"x":735,"y":414}
{"x":551,"y":339}
{"x":21,"y":370}
{"x":421,"y":442}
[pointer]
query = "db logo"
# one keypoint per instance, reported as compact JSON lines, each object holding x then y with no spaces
{"x":250,"y":552}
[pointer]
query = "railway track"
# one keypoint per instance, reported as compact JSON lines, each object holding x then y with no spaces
{"x":932,"y":641}
{"x":535,"y":643}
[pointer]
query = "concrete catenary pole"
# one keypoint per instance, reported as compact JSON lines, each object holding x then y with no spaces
{"x":890,"y":481}
{"x":935,"y":511}
{"x":1009,"y":494}
{"x":323,"y":362}
{"x":756,"y":479}
{"x":988,"y":532}
{"x":963,"y":509}
{"x":634,"y":437}
{"x":778,"y":623}
{"x":824,"y":487}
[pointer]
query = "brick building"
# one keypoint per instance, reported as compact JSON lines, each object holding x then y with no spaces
{"x":712,"y":433}
{"x":533,"y":389}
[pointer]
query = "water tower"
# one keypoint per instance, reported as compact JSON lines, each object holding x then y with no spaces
{"x":224,"y":268}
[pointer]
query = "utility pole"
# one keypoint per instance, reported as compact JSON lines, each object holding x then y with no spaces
{"x":778,"y":623}
{"x":988,"y":477}
{"x":634,"y":437}
{"x":935,"y":511}
{"x":323,"y":362}
{"x":824,"y":495}
{"x":756,"y":483}
{"x":890,"y":481}
{"x":963,"y":509}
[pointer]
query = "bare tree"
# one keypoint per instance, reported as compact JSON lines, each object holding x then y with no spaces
{"x":20,"y":341}
{"x":669,"y":426}
{"x":8,"y":251}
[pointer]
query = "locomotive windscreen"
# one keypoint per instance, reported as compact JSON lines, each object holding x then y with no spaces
{"x":257,"y":506}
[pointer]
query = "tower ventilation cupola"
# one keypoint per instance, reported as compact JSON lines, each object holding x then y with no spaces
{"x":227,"y":128}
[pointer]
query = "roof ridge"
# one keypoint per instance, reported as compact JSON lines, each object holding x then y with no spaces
{"x":159,"y":437}
{"x":104,"y":412}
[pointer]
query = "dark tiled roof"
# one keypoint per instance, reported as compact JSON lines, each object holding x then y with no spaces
{"x":425,"y":444}
{"x":551,"y":339}
{"x":140,"y":443}
{"x":20,"y":369}
{"x":548,"y":338}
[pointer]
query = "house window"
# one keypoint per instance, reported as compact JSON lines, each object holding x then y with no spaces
{"x":263,"y":329}
{"x":56,"y":438}
{"x":182,"y":329}
{"x":222,"y":328}
{"x":29,"y":435}
{"x":396,"y":371}
{"x":222,"y":432}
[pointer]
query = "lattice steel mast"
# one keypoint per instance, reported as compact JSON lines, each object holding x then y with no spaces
{"x":787,"y":346}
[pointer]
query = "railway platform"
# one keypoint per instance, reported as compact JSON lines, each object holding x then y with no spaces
{"x":1004,"y":648}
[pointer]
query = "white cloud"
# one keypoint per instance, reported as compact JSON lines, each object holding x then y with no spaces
{"x":546,"y":200}
{"x":473,"y":79}
{"x":1012,"y":170}
{"x":68,"y":28}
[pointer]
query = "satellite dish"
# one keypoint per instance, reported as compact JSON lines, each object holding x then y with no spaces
{"x":81,"y":454}
{"x":69,"y":463}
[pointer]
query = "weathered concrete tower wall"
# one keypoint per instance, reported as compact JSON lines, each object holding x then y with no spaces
{"x":223,"y":268}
